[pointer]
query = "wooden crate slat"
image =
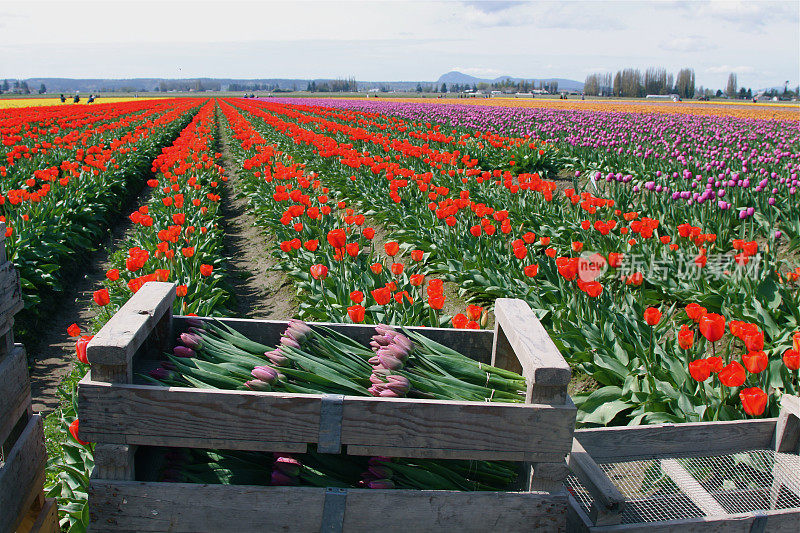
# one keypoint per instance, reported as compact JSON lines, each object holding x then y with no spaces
{"x":537,"y":354}
{"x":124,"y":334}
{"x":47,"y":519}
{"x":631,"y":442}
{"x":15,"y":390}
{"x":124,"y":414}
{"x":22,"y":475}
{"x":185,"y":507}
{"x":10,"y":291}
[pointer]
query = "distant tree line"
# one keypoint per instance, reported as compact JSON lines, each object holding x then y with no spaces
{"x":18,"y":87}
{"x":633,"y":83}
{"x":188,"y":85}
{"x":338,"y":85}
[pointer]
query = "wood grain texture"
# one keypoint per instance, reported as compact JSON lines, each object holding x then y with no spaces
{"x":632,"y":442}
{"x":608,"y":501}
{"x":10,"y":291}
{"x":535,"y":350}
{"x":15,"y":390}
{"x":22,"y":475}
{"x":114,"y":461}
{"x":120,"y":338}
{"x":47,"y":519}
{"x":781,"y":521}
{"x":787,"y":428}
{"x":182,"y":507}
{"x":124,"y":414}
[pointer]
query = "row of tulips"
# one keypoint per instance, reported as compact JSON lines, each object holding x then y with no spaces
{"x":61,"y":194}
{"x":541,"y":264}
{"x":326,"y":247}
{"x":175,"y":237}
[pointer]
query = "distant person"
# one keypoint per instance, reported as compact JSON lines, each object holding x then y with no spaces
{"x":63,"y":99}
{"x":76,"y":98}
{"x":91,"y":99}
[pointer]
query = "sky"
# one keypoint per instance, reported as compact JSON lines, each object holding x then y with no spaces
{"x":401,"y":40}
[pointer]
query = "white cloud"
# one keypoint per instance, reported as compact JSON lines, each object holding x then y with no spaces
{"x":688,"y":43}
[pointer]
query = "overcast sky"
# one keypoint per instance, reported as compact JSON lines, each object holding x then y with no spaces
{"x":400,"y":40}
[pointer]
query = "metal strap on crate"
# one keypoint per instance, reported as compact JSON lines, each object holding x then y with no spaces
{"x":330,"y":424}
{"x":759,"y":522}
{"x":333,"y":510}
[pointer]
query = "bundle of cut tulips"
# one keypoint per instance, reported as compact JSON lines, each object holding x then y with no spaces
{"x":320,"y":360}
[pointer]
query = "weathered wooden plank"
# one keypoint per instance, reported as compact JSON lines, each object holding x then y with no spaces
{"x":120,"y":338}
{"x":10,"y":291}
{"x":148,"y":415}
{"x":15,"y":390}
{"x":538,"y":356}
{"x":183,"y":507}
{"x":549,"y":476}
{"x":631,"y":442}
{"x":22,"y":475}
{"x":47,"y":520}
{"x":476,"y":344}
{"x":608,"y":501}
{"x":458,"y":426}
{"x":787,"y":429}
{"x":577,"y":520}
{"x":692,"y":488}
{"x":779,"y":521}
{"x":124,"y":414}
{"x":114,"y":461}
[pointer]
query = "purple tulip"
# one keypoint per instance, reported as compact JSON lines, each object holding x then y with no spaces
{"x":183,"y":351}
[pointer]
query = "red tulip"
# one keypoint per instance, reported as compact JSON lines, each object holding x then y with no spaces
{"x":435,"y":286}
{"x":732,"y":375}
{"x":188,"y":251}
{"x":74,"y":330}
{"x":436,"y":301}
{"x":368,"y":233}
{"x":376,"y":268}
{"x":382,"y":295}
{"x":101,"y":297}
{"x":796,"y":341}
{"x":695,"y":311}
{"x":352,"y":249}
{"x":397,"y":268}
{"x":474,"y":312}
{"x":754,"y":401}
{"x":715,"y":363}
{"x":337,"y":238}
{"x":181,"y":290}
{"x":700,"y":370}
{"x":311,"y":245}
{"x":652,"y":316}
{"x":755,"y":362}
{"x":357,"y":297}
{"x":712,"y":326}
{"x":416,"y":255}
{"x":73,"y":429}
{"x":113,"y":274}
{"x":80,"y":348}
{"x":685,"y":337}
{"x":754,"y":341}
{"x":460,"y":321}
{"x":791,"y":358}
{"x":356,"y":313}
{"x":206,"y":270}
{"x":531,"y":270}
{"x":391,"y":248}
{"x":416,"y":280}
{"x":319,"y":271}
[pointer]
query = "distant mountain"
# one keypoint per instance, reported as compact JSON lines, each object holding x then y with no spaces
{"x":460,"y":78}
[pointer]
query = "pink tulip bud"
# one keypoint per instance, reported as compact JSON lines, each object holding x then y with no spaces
{"x":276,"y":357}
{"x":183,"y":351}
{"x":191,"y":340}
{"x":161,"y":373}
{"x":265,"y":373}
{"x":388,"y":393}
{"x":289,"y":342}
{"x":298,"y":330}
{"x":258,"y":385}
{"x":279,"y":479}
{"x":380,"y":472}
{"x":381,"y":484}
{"x":194,"y":322}
{"x":288,"y":465}
{"x":403,"y":341}
{"x":394,"y":350}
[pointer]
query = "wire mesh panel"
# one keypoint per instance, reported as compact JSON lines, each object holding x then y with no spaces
{"x":661,"y":489}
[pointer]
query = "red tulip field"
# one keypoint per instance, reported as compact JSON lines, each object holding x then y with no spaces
{"x":660,"y":252}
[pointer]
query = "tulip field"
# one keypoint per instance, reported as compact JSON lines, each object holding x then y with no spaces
{"x":661,"y":252}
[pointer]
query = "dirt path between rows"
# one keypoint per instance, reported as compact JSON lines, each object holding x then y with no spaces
{"x":261,"y":290}
{"x":53,"y":355}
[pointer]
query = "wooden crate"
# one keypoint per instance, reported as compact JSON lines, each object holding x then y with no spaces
{"x":121,"y":415}
{"x":665,"y":444}
{"x":22,"y":458}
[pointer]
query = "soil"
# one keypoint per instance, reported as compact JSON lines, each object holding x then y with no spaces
{"x":51,"y":358}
